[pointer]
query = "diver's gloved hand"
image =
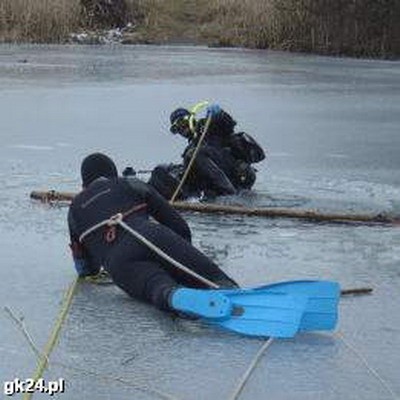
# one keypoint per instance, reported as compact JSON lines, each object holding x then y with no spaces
{"x":79,"y":265}
{"x":213,"y":110}
{"x":82,"y":267}
{"x":205,"y":303}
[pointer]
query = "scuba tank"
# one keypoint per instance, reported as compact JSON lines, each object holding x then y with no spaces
{"x":244,"y":147}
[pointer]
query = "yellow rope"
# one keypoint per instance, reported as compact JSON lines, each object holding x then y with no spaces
{"x":44,"y":359}
{"x":188,"y":168}
{"x":19,"y":321}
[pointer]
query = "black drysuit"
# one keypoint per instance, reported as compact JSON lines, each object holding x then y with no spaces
{"x":214,"y":168}
{"x":135,"y":268}
{"x":217,"y":169}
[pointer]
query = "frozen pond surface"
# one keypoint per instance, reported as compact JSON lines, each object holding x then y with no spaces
{"x":331,"y":128}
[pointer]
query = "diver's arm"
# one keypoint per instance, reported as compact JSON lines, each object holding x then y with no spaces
{"x":160,"y":209}
{"x":82,"y":262}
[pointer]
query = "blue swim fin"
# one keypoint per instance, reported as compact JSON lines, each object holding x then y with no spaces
{"x":209,"y":304}
{"x":276,"y":310}
{"x":321,"y":312}
{"x":263,"y":313}
{"x":247,"y":311}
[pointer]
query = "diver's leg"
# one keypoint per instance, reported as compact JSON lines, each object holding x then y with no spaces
{"x":185,"y":253}
{"x":144,"y":280}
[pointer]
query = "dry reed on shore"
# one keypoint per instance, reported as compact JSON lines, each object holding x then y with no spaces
{"x":38,"y":20}
{"x":354,"y":27}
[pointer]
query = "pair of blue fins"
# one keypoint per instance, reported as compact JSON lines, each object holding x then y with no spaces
{"x":279,"y":310}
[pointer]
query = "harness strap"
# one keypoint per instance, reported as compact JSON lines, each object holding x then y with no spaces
{"x":117,"y":219}
{"x":138,"y":207}
{"x":112,"y":221}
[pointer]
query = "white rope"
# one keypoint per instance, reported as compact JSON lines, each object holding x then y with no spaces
{"x":117,"y":220}
{"x":165,"y":256}
{"x":107,"y":222}
{"x":250,"y":370}
{"x":371,"y":370}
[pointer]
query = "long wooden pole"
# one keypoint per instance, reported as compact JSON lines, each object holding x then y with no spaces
{"x":269,"y":212}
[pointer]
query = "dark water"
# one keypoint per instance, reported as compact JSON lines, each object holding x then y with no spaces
{"x":331,"y":128}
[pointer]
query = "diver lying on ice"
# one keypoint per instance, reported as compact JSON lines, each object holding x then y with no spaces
{"x":112,"y":225}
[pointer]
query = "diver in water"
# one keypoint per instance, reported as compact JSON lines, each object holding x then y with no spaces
{"x":222,"y":165}
{"x":133,"y":266}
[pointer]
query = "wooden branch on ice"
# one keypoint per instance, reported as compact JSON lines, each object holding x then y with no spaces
{"x":270,"y":212}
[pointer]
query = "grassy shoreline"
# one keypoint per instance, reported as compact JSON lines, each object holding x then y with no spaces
{"x":358,"y":28}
